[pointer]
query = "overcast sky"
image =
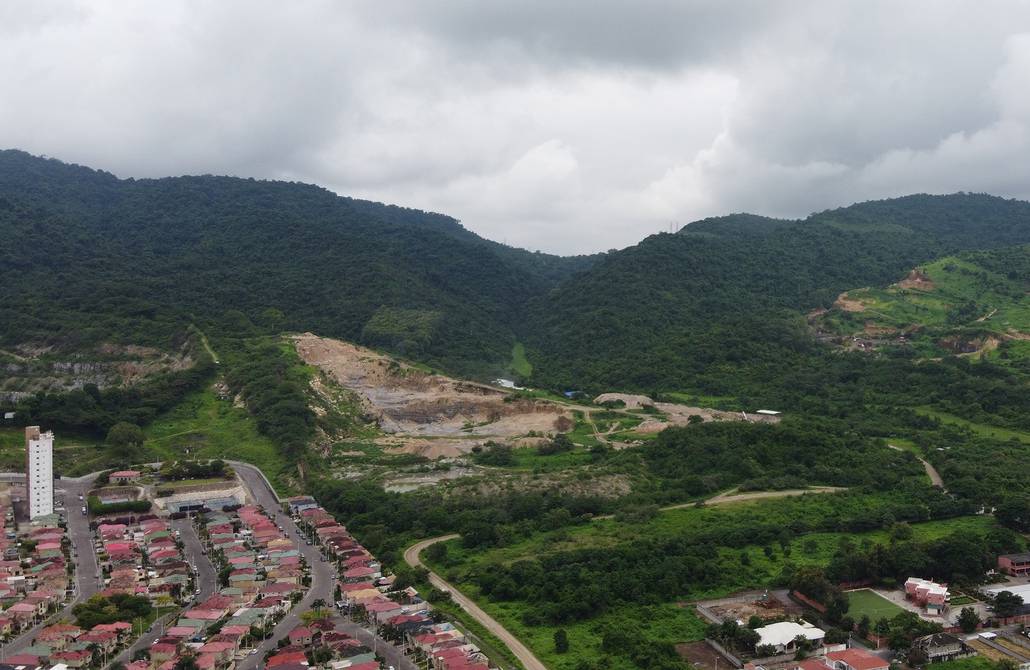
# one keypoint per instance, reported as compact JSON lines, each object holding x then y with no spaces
{"x":566,"y":127}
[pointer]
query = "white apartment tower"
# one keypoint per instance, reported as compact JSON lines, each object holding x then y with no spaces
{"x":39,"y":481}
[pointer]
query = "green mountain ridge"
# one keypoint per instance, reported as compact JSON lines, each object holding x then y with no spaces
{"x":692,"y":310}
{"x":90,"y":258}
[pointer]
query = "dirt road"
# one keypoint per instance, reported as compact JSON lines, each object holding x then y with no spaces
{"x":734,"y":497}
{"x":525,"y":656}
{"x":931,"y":472}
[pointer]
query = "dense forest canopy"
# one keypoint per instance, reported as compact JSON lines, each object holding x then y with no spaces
{"x":718,"y":308}
{"x":89,"y":257}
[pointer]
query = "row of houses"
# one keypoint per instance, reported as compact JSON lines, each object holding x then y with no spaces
{"x":138,"y":556}
{"x":262,"y":575}
{"x":365,"y":592}
{"x":141,"y":555}
{"x":34,"y":573}
{"x":67,"y":645}
{"x":320,"y":643}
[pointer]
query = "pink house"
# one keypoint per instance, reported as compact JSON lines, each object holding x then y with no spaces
{"x":1015,"y":564}
{"x":927,"y":594}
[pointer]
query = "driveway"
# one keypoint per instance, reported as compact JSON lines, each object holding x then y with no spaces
{"x":521,"y":651}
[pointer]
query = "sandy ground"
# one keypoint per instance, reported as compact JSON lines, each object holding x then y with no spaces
{"x":427,"y":414}
{"x":917,"y":279}
{"x":632,"y":401}
{"x":848,"y":304}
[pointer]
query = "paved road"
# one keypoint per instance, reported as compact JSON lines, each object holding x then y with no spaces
{"x":322,"y":573}
{"x":323,"y":579}
{"x":931,"y":472}
{"x":206,"y":582}
{"x":521,"y":651}
{"x":85,"y":558}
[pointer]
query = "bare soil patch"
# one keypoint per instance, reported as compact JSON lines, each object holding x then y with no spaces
{"x":849,"y":304}
{"x":700,"y":655}
{"x":632,"y":401}
{"x":917,"y":279}
{"x":428,"y":414}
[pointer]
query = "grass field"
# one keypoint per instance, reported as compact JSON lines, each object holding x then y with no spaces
{"x":519,"y":363}
{"x":73,"y":454}
{"x":204,"y":426}
{"x":865,"y":602}
{"x":981,"y":429}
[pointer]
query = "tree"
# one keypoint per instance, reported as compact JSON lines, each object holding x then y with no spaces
{"x":968,"y":620}
{"x":561,"y":641}
{"x":863,"y":626}
{"x":125,"y":439}
{"x":755,"y":621}
{"x":1007,"y":604}
{"x":747,"y":639}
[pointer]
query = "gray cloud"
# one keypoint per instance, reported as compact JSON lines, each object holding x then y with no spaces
{"x":567,"y":127}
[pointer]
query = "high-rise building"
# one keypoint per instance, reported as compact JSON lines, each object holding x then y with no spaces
{"x":39,"y":478}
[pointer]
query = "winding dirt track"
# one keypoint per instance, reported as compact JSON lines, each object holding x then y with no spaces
{"x":521,"y":651}
{"x":931,"y":472}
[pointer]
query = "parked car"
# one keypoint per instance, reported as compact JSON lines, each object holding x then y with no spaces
{"x":83,"y":509}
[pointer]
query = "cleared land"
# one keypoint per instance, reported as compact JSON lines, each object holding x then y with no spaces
{"x":428,"y":414}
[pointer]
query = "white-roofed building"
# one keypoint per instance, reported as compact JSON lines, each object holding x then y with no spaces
{"x":781,"y":635}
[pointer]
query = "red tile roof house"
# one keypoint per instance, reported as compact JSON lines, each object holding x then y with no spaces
{"x":163,"y":651}
{"x":855,"y":659}
{"x":137,"y":665}
{"x":106,"y":641}
{"x":73,"y":659}
{"x":301,"y":635}
{"x":361,"y":574}
{"x":283,"y":659}
{"x":6,"y":625}
{"x":122,"y":629}
{"x":23,"y":612}
{"x":58,"y":636}
{"x":204,"y":615}
{"x":27,"y":660}
{"x":124,"y":476}
{"x":221,"y":651}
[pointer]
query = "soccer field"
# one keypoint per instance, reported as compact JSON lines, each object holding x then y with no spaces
{"x":871,"y":604}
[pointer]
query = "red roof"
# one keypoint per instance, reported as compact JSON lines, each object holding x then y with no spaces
{"x":291,"y":657}
{"x":858,"y":659}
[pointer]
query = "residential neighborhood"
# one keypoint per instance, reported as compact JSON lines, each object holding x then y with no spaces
{"x":168,"y":580}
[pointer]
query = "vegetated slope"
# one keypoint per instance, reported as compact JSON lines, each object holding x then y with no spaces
{"x":719,"y":306}
{"x":88,"y":257}
{"x":973,"y":303}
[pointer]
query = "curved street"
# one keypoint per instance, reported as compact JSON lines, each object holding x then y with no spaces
{"x":521,"y":651}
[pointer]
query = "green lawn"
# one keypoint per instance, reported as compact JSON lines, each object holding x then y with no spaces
{"x":865,"y":602}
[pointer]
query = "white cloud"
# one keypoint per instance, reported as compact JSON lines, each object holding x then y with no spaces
{"x":566,"y":127}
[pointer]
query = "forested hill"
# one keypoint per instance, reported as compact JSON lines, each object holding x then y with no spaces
{"x":721,"y":305}
{"x":88,"y":257}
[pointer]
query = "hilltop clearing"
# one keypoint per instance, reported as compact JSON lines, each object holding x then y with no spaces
{"x":973,"y":305}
